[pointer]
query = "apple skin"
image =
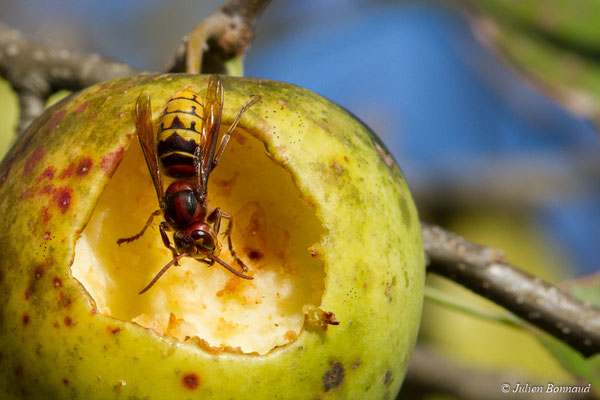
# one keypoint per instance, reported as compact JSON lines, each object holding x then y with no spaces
{"x":54,"y":344}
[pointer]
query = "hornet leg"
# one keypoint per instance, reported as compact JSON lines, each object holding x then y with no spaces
{"x":148,"y":223}
{"x":216,"y":216}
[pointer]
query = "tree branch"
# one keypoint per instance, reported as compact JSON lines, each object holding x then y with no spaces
{"x":225,"y":34}
{"x":35,"y":71}
{"x":484,"y":271}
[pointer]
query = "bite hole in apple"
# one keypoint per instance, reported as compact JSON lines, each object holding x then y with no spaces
{"x":274,"y":233}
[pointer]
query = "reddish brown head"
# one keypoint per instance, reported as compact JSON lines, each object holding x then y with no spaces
{"x":200,"y":236}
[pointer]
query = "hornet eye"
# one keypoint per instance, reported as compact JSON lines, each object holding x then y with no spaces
{"x":203,"y":239}
{"x":198,"y":234}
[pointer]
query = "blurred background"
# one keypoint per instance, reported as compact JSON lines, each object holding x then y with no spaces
{"x":486,"y":153}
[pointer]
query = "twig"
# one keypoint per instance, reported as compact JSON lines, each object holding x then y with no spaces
{"x":35,"y":71}
{"x":224,"y":35}
{"x":430,"y":373}
{"x":484,"y":271}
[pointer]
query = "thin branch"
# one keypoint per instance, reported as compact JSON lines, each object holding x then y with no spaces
{"x":484,"y":271}
{"x":35,"y":71}
{"x":225,"y":34}
{"x":430,"y":373}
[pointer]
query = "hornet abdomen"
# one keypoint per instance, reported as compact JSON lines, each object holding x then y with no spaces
{"x":179,"y":133}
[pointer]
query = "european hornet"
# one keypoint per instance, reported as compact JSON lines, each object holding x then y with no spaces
{"x":187,"y":150}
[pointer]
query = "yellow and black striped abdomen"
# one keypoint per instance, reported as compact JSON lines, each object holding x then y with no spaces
{"x":179,"y":133}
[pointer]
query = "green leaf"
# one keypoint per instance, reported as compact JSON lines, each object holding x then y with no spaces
{"x":556,"y":44}
{"x":587,"y":369}
{"x":586,"y":289}
{"x":568,"y":23}
{"x":453,"y":302}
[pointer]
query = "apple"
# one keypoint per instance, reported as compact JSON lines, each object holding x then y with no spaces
{"x":322,"y":217}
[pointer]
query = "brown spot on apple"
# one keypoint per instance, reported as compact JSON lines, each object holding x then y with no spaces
{"x":191,"y":381}
{"x":388,"y":377}
{"x":334,"y":376}
{"x":113,"y":331}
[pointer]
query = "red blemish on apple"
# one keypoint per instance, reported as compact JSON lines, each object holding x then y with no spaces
{"x":62,"y":197}
{"x":57,"y":118}
{"x":63,"y":301}
{"x":84,"y":166}
{"x":191,"y":381}
{"x":111,"y":160}
{"x":57,"y":282}
{"x":39,"y":271}
{"x":33,"y":160}
{"x":103,"y":87}
{"x":47,"y":189}
{"x":65,"y":381}
{"x":125,"y":85}
{"x":81,"y":108}
{"x":48,"y":173}
{"x":47,"y":236}
{"x":25,"y":319}
{"x":67,"y":172}
{"x":45,"y":215}
{"x":27,"y":193}
{"x":112,"y":330}
{"x":68,"y":321}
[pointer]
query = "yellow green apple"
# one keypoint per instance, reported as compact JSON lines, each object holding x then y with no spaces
{"x":322,"y":217}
